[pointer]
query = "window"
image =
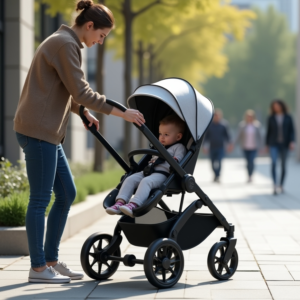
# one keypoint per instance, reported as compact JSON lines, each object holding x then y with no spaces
{"x":1,"y":78}
{"x":45,"y":25}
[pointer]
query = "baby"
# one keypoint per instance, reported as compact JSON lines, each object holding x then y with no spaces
{"x":171,"y":129}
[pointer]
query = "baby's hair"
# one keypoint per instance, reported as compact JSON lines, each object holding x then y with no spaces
{"x":173,"y":119}
{"x":99,"y":14}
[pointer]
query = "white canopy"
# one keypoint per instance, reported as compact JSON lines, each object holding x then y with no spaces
{"x":187,"y":103}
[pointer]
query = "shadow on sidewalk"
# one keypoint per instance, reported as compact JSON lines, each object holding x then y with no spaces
{"x":109,"y":289}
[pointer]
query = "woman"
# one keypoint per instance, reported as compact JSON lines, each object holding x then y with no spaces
{"x":250,"y":139}
{"x":40,"y":123}
{"x":280,"y":138}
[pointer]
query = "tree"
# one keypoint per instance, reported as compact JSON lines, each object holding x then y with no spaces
{"x":261,"y":68}
{"x":129,"y":10}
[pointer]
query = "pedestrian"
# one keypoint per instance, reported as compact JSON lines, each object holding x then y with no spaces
{"x":217,"y":140}
{"x":250,"y":139}
{"x":54,"y":87}
{"x":279,"y":139}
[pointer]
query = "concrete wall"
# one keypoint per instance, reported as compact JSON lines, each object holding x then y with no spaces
{"x":19,"y":50}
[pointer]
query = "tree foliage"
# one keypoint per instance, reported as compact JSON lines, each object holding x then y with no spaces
{"x":187,"y":37}
{"x":261,"y":68}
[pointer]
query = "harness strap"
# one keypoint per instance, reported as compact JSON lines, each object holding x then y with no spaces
{"x":162,"y":172}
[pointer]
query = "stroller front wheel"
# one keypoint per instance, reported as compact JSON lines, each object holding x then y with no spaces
{"x":216,"y":266}
{"x":90,"y":257}
{"x":163,"y":263}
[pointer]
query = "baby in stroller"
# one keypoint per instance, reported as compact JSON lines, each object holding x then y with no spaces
{"x":171,"y":130}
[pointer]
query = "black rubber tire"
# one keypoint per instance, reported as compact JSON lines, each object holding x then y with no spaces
{"x":214,"y":258}
{"x":86,"y":256}
{"x":170,"y":251}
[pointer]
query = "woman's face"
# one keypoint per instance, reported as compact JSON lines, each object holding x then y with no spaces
{"x":94,"y":36}
{"x":249,"y":118}
{"x":277,"y":108}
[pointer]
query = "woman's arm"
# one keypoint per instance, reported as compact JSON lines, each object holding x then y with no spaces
{"x":66,"y":62}
{"x":268,"y":131}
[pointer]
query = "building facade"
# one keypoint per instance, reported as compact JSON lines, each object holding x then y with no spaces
{"x":22,"y":29}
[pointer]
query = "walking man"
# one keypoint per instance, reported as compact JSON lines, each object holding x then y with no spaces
{"x":217,"y":138}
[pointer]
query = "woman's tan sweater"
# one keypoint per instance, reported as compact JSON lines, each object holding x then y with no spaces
{"x":55,"y":86}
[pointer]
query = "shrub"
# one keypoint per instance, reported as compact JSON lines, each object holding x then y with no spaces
{"x":12,"y":178}
{"x":93,"y":183}
{"x":13,"y":209}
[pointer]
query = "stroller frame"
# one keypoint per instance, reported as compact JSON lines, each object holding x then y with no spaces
{"x":166,"y":235}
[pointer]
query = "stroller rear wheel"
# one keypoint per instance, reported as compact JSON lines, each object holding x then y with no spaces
{"x":163,"y":263}
{"x":216,"y":266}
{"x":92,"y":263}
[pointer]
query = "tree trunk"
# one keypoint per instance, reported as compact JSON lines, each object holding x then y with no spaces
{"x":128,"y":17}
{"x":99,"y":155}
{"x":140,"y":53}
{"x":151,"y":64}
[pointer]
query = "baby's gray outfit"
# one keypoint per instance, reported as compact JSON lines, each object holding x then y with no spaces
{"x":146,"y":184}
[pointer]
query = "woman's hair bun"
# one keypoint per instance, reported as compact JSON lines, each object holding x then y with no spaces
{"x":84,"y":4}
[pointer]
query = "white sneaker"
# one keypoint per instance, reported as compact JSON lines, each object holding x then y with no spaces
{"x":49,"y":275}
{"x":62,"y":268}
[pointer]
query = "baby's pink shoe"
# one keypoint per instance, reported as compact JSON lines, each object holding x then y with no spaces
{"x":127,"y":209}
{"x":115,"y":209}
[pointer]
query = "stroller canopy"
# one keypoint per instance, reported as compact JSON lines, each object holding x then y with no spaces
{"x":181,"y":97}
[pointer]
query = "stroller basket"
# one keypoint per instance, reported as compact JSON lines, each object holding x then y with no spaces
{"x":142,"y":231}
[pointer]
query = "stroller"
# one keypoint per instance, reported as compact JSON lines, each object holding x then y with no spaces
{"x":163,"y":231}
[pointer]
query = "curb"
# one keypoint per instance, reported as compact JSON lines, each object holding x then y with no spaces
{"x":81,"y":215}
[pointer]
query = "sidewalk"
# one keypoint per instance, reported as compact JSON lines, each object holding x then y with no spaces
{"x":267,"y":230}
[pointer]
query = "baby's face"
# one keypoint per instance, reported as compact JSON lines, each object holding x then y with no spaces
{"x":169,"y":134}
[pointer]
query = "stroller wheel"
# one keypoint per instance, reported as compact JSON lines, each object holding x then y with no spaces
{"x":90,"y":257}
{"x":216,"y":266}
{"x":163,"y":263}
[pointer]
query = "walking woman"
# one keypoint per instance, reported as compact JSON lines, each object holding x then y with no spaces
{"x":54,"y":87}
{"x":250,"y":139}
{"x":280,"y":138}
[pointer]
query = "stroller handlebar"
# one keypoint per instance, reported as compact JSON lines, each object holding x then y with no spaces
{"x":116,"y":104}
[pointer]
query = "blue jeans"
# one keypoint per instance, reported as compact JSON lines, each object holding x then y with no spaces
{"x":250,"y":156}
{"x":216,"y":156}
{"x":47,"y":171}
{"x":282,"y":151}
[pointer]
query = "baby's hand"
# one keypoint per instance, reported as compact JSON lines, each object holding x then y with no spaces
{"x":175,"y":158}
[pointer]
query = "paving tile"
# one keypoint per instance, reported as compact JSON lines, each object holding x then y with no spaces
{"x":23,"y":275}
{"x":285,"y":283}
{"x":277,"y":275}
{"x":124,"y":289}
{"x":7,"y":260}
{"x":273,"y":267}
{"x":285,"y":292}
{"x":295,"y":274}
{"x":241,"y":294}
{"x":239,"y":285}
{"x":195,"y":290}
{"x":293,"y":267}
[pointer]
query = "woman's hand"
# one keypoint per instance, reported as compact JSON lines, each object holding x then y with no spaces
{"x":132,"y":115}
{"x":292,"y":146}
{"x":91,"y":119}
